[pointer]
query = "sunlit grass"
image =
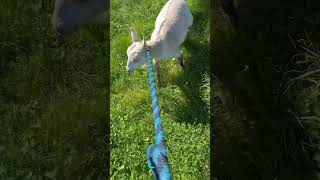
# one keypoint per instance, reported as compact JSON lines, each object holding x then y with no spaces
{"x":183,"y":96}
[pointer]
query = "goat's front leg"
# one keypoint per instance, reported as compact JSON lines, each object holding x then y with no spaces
{"x":157,"y":71}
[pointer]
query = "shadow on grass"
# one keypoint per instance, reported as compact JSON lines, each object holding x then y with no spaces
{"x":271,"y":141}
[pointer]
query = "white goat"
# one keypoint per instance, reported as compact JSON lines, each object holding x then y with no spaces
{"x":171,"y":28}
{"x":70,"y":15}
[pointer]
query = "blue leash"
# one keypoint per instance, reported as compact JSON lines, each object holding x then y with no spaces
{"x":157,"y":154}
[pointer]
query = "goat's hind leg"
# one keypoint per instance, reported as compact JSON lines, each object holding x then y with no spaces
{"x":157,"y":66}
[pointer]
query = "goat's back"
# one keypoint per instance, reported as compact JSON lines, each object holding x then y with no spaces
{"x":173,"y":23}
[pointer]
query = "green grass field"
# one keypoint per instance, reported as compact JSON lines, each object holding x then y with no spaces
{"x":183,"y":96}
{"x":52,"y":97}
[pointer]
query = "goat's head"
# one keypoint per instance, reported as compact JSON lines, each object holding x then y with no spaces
{"x":70,"y":15}
{"x":136,"y":52}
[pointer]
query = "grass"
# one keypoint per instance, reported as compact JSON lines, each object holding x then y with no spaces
{"x":302,"y":83}
{"x":52,"y":97}
{"x":261,"y":131}
{"x":184,"y":96}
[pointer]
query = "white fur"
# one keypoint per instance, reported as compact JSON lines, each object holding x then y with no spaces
{"x":171,"y":28}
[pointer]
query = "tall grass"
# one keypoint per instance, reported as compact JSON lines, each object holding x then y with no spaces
{"x":302,"y":84}
{"x":257,"y":129}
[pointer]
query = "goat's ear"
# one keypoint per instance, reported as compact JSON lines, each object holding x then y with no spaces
{"x":133,"y":35}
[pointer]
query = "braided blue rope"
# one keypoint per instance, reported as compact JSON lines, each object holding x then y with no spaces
{"x":157,"y":154}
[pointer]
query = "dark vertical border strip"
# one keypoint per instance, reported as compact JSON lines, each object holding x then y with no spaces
{"x":107,"y":125}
